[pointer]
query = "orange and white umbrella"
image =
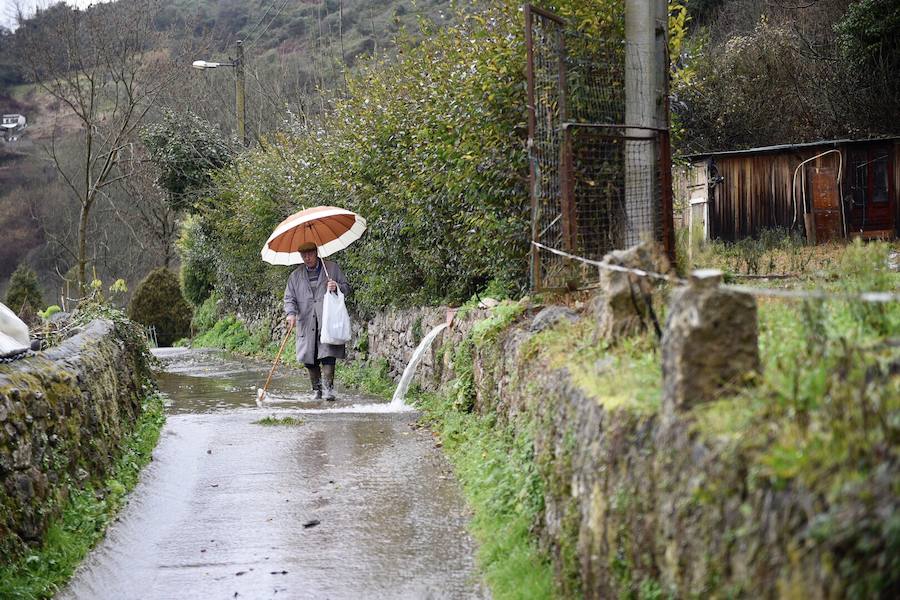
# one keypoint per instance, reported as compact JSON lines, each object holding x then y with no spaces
{"x":328,"y":227}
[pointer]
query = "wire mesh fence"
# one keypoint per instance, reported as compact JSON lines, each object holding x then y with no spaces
{"x":597,"y":184}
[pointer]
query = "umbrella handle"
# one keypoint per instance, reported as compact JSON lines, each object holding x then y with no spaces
{"x":278,"y":356}
{"x":324,"y":267}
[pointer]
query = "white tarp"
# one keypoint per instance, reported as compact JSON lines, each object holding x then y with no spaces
{"x":13,"y":332}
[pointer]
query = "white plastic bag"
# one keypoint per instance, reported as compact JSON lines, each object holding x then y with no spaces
{"x":335,"y":320}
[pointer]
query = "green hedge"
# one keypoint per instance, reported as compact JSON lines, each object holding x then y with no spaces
{"x":428,"y":145}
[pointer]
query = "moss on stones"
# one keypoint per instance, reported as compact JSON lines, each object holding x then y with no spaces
{"x":733,"y":497}
{"x":63,"y":414}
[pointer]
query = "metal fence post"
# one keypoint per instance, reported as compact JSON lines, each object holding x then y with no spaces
{"x":532,"y":179}
{"x":567,"y":202}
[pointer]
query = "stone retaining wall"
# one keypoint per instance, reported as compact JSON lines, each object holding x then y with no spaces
{"x":393,"y":336}
{"x":63,"y":414}
{"x":642,"y":506}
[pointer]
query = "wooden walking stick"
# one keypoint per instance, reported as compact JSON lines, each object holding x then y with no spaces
{"x":261,"y":393}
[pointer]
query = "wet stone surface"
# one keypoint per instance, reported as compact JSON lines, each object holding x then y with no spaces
{"x":346,"y":504}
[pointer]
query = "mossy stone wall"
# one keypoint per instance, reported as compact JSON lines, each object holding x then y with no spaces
{"x":63,"y":414}
{"x":637,"y":506}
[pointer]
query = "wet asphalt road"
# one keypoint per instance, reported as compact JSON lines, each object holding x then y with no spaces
{"x":344,"y":505}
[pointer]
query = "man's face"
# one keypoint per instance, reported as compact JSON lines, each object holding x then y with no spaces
{"x":309,"y":257}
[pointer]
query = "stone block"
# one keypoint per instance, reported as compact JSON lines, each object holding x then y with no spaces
{"x":550,"y":316}
{"x":619,"y":306}
{"x":710,"y":343}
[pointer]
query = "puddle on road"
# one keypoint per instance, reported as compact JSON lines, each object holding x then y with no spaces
{"x":226,"y":508}
{"x":204,"y":381}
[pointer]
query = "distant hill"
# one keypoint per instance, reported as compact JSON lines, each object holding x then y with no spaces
{"x":271,"y":28}
{"x":293,"y":49}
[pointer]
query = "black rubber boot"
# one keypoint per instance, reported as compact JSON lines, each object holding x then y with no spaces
{"x":328,"y":382}
{"x":315,"y":380}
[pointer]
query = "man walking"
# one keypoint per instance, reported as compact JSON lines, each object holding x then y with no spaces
{"x":303,"y":299}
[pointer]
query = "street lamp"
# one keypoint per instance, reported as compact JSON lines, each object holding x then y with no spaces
{"x":238,"y":65}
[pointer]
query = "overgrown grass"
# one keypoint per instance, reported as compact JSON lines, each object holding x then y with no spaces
{"x":277,"y":421}
{"x":231,"y":334}
{"x":774,"y":252}
{"x":829,"y":394}
{"x":371,"y":378}
{"x":87,"y":512}
{"x":499,"y":477}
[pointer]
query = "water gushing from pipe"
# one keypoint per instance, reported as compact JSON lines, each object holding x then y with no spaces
{"x":410,"y":371}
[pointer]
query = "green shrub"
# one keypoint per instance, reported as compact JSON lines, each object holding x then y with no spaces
{"x":24,"y":289}
{"x":158,"y":302}
{"x":198,"y":272}
{"x":429,"y":145}
{"x":186,"y":149}
{"x":206,"y":315}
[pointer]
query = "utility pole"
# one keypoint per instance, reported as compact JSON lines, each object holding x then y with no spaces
{"x":239,"y":93}
{"x":239,"y":87}
{"x":645,"y":112}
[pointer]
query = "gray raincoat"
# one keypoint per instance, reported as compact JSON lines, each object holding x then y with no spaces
{"x":299,"y":301}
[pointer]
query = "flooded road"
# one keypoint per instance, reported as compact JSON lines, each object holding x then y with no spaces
{"x":342,"y":505}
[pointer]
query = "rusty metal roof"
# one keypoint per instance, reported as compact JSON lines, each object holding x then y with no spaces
{"x":783,"y":147}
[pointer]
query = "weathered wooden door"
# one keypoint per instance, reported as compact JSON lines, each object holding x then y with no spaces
{"x":825,"y":204}
{"x":869,"y":193}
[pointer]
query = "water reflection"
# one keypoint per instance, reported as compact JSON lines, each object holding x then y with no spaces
{"x":223,"y":509}
{"x":204,"y":381}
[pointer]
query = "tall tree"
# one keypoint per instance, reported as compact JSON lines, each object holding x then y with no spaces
{"x":106,"y":65}
{"x":24,"y":290}
{"x":150,"y":210}
{"x":186,"y":150}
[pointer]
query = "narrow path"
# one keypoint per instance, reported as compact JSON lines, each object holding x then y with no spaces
{"x":343,"y":505}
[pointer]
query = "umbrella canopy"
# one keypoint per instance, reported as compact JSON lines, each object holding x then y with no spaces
{"x":328,"y":227}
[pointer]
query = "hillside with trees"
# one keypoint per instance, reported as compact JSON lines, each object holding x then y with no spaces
{"x":754,"y":73}
{"x":297,"y":56}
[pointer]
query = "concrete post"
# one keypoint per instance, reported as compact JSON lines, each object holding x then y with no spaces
{"x":619,"y":306}
{"x":709,"y":345}
{"x":645,"y":113}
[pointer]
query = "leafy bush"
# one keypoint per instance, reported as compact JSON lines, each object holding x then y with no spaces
{"x":198,"y":275}
{"x":158,"y":302}
{"x":429,"y":146}
{"x":23,"y":289}
{"x":206,"y":315}
{"x":186,"y":149}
